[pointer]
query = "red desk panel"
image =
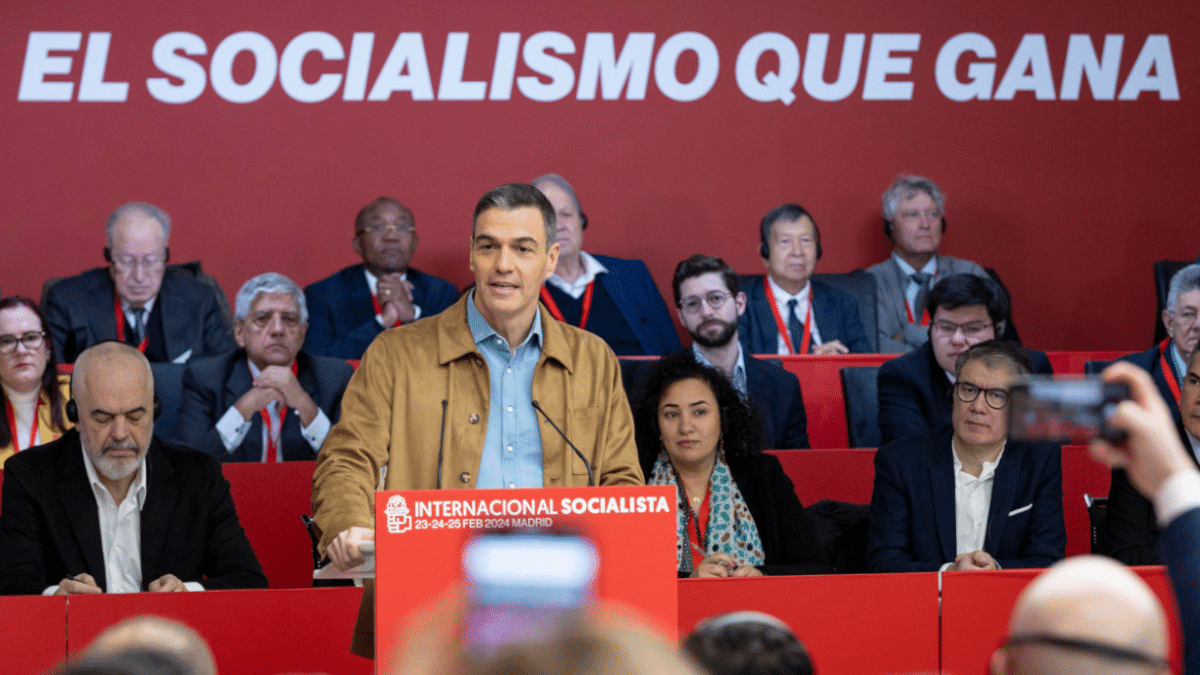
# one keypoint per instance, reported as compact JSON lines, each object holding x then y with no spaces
{"x":821,"y":387}
{"x":270,"y":498}
{"x":250,"y":632}
{"x":35,"y":634}
{"x":853,"y":623}
{"x":844,"y":475}
{"x":1073,"y":362}
{"x":976,"y":605}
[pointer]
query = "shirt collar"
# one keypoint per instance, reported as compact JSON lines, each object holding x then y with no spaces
{"x":137,"y":489}
{"x":373,"y":281}
{"x":592,"y":268}
{"x":989,"y":468}
{"x":739,"y":366}
{"x":782,"y":296}
{"x":1177,"y":361}
{"x":929,"y":268}
{"x":128,"y":308}
{"x":482,"y":331}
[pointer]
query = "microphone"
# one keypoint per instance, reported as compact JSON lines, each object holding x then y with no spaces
{"x":591,"y":476}
{"x":442,"y":442}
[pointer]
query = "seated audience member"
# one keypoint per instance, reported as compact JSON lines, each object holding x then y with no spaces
{"x":87,"y":514}
{"x":31,"y":391}
{"x":747,"y":643}
{"x":1130,"y":524}
{"x":354,"y":305}
{"x":1167,"y":361}
{"x":788,"y":312}
{"x":914,"y":219}
{"x":133,"y":662}
{"x":611,"y":297}
{"x":268,"y":401}
{"x":914,"y":389}
{"x":737,"y":512}
{"x":710,"y":301}
{"x":967,"y":498}
{"x":165,"y":312}
{"x":156,"y":634}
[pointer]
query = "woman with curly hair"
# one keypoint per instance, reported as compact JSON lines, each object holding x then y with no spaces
{"x":737,"y":512}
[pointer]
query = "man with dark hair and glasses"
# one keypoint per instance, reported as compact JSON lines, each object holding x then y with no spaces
{"x":167,"y":313}
{"x":914,"y":389}
{"x":709,"y":301}
{"x":966,"y":498}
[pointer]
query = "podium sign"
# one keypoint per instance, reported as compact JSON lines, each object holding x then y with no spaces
{"x":420,"y":535}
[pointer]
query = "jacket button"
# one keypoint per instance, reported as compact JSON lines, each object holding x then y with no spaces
{"x":465,"y":476}
{"x":474,"y":419}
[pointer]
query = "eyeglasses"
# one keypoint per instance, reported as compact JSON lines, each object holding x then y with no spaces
{"x":151,"y":263}
{"x":715,"y":300}
{"x":1187,"y":316}
{"x":1107,"y":651}
{"x":376,"y":229}
{"x":32,"y":340}
{"x":970,"y":329}
{"x":967,"y":392}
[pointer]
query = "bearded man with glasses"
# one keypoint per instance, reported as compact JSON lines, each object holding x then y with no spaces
{"x":914,"y":389}
{"x":966,"y":498}
{"x":167,"y":313}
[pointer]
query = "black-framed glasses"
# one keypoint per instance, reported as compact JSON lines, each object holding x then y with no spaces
{"x":715,"y":300}
{"x":970,"y":329}
{"x":1103,"y":650}
{"x":32,"y":340}
{"x":967,"y":392}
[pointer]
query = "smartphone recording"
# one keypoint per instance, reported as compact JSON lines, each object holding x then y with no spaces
{"x":1064,"y":410}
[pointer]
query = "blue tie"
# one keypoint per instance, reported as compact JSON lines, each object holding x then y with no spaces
{"x":794,"y":326}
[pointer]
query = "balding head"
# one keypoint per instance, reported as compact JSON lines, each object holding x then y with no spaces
{"x":113,"y":390}
{"x":1085,"y":615}
{"x":157,"y":634}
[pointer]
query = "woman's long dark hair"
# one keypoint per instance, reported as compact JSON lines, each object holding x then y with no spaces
{"x":49,"y":375}
{"x":741,"y":426}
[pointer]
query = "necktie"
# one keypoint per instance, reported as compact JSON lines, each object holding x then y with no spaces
{"x":922,"y":281}
{"x":794,"y":326}
{"x":139,"y":326}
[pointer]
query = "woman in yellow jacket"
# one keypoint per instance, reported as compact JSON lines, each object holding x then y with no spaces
{"x":32,"y":392}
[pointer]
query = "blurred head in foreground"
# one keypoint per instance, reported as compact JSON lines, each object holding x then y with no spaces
{"x":747,"y":643}
{"x":581,"y":648}
{"x":156,"y":634}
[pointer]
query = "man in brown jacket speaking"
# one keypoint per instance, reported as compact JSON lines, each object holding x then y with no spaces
{"x":496,"y":370}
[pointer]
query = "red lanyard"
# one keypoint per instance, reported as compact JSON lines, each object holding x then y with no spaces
{"x":12,"y":425}
{"x":121,"y":324}
{"x":555,"y":312}
{"x":782,"y":325}
{"x":698,"y":538}
{"x":924,"y":311}
{"x":1168,"y":373}
{"x":276,"y":433}
{"x":379,"y":309}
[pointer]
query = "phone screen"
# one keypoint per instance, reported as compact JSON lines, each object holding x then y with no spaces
{"x":1063,"y":410}
{"x":524,"y":583}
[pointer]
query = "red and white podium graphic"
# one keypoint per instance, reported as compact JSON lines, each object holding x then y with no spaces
{"x":420,"y":536}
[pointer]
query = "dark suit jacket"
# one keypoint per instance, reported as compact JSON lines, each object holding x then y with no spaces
{"x":211,"y":386}
{"x":80,"y":313}
{"x":835,"y":312}
{"x":914,"y":392}
{"x":789,"y":540}
{"x":341,"y":316}
{"x":1130,"y":525}
{"x":629,"y":284}
{"x":1182,"y":557}
{"x":912,"y":506}
{"x":1151,"y":362}
{"x":50,"y":528}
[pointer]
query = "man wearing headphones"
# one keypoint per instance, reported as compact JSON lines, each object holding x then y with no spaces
{"x":110,"y":508}
{"x":788,"y":312}
{"x":611,"y":297}
{"x":166,"y":312}
{"x":914,"y":219}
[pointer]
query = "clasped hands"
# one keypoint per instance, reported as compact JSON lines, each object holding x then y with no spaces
{"x":720,"y":565}
{"x":395,"y":299}
{"x":86,"y":583}
{"x":279,"y":384}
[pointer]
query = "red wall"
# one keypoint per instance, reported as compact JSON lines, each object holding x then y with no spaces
{"x":1070,"y":200}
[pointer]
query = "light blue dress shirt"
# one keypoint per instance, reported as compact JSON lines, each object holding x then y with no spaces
{"x":739,"y":369}
{"x":512,"y":447}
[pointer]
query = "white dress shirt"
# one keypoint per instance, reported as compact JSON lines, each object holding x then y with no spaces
{"x":972,"y":502}
{"x":592,"y":268}
{"x":232,"y":427}
{"x":781,"y":303}
{"x":24,"y":409}
{"x":373,"y":284}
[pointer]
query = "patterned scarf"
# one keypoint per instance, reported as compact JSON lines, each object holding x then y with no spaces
{"x":730,"y":528}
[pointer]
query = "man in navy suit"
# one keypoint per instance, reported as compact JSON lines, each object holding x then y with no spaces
{"x":787,"y":312}
{"x":611,"y":297}
{"x":710,"y":302}
{"x":1166,"y":361}
{"x":354,"y":305}
{"x":914,"y":389}
{"x":968,"y":498}
{"x":267,"y":401}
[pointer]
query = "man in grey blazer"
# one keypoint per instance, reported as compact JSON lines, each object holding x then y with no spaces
{"x":914,"y":219}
